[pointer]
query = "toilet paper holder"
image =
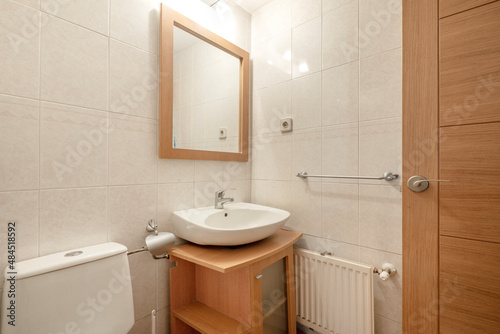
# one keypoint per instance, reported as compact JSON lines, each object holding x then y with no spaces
{"x":158,"y":243}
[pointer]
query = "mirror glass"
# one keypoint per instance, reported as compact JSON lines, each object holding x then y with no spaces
{"x":206,"y":100}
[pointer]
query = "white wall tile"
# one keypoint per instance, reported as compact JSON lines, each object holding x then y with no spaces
{"x":386,"y":326}
{"x":20,"y":207}
{"x":132,"y":150}
{"x":340,"y":212}
{"x":173,"y":197}
{"x":380,"y":217}
{"x":380,"y":149}
{"x":20,"y":50}
{"x":380,"y":91}
{"x":129,"y":210}
{"x":306,"y":152}
{"x":306,"y":48}
{"x":133,"y":81}
{"x":72,"y":218}
{"x":31,"y":3}
{"x":305,"y":10}
{"x":73,"y":147}
{"x":259,"y":192}
{"x":19,"y":134}
{"x":279,"y":59}
{"x":170,"y":170}
{"x":380,"y":26}
{"x":271,"y":20}
{"x":339,"y":249}
{"x":136,"y":22}
{"x":279,"y":195}
{"x":340,"y":35}
{"x":306,"y":101}
{"x":340,"y":151}
{"x":306,"y":207}
{"x":340,"y":98}
{"x":328,"y":5}
{"x":74,"y":64}
{"x":279,"y":157}
{"x":91,"y":14}
{"x":143,"y":274}
{"x":269,"y":106}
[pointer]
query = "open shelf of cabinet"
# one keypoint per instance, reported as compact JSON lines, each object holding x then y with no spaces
{"x":214,"y":287}
{"x":206,"y":320}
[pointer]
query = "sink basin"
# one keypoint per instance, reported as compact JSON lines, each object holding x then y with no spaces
{"x":236,"y":224}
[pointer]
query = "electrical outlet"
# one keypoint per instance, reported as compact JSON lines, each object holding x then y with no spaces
{"x":286,"y":124}
{"x":222,"y":133}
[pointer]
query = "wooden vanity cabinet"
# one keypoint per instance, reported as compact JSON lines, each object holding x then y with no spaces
{"x":219,"y":289}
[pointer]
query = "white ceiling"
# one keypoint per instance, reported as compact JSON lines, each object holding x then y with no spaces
{"x":248,"y":5}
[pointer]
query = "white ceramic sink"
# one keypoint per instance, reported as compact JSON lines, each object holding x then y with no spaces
{"x":236,"y":224}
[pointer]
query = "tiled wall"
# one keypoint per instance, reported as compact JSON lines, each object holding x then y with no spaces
{"x":335,"y":67}
{"x":78,"y":136}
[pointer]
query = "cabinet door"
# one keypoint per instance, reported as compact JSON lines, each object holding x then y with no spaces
{"x":274,"y":298}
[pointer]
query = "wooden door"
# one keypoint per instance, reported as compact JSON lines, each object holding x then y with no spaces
{"x":451,"y":131}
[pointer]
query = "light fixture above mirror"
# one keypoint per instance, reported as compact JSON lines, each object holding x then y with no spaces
{"x":204,"y":93}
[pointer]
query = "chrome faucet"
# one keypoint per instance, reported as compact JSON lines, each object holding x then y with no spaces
{"x":220,"y":200}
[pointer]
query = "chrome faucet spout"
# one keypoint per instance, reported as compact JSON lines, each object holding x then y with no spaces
{"x":220,"y":200}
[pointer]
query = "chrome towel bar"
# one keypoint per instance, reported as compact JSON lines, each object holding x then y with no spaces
{"x":388,"y":176}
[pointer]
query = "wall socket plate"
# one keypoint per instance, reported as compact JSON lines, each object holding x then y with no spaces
{"x":286,"y":124}
{"x":222,"y":133}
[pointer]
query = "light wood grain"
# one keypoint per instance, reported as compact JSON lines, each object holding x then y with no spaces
{"x":206,"y":320}
{"x":420,"y":154}
{"x":450,"y":7}
{"x":226,"y":259}
{"x":227,"y":293}
{"x":182,"y":292}
{"x":469,"y":286}
{"x":169,"y":19}
{"x":469,"y":66}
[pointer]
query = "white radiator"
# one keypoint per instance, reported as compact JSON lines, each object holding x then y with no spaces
{"x":333,"y":295}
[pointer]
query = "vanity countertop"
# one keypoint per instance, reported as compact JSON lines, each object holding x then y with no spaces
{"x":225,"y":259}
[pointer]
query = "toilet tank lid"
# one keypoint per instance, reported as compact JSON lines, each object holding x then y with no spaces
{"x":62,"y":260}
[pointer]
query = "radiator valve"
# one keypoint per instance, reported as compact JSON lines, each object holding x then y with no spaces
{"x":387,"y":271}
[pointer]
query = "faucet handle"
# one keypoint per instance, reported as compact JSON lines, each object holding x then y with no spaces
{"x":220,"y":193}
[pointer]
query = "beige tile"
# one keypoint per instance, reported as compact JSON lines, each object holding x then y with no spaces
{"x":20,"y":49}
{"x":19,"y":129}
{"x":132,"y":150}
{"x":91,"y":14}
{"x":170,"y":170}
{"x":328,"y":5}
{"x":269,"y":106}
{"x":306,"y":207}
{"x":72,"y":218}
{"x":340,"y":98}
{"x":205,"y":170}
{"x":380,"y":87}
{"x":339,"y":249}
{"x":340,"y":217}
{"x":340,"y":151}
{"x":380,"y":26}
{"x":259,"y":155}
{"x":73,"y":147}
{"x":387,"y":294}
{"x":380,"y":217}
{"x":386,"y":326}
{"x":31,"y":3}
{"x":142,"y":326}
{"x":173,"y":197}
{"x":279,"y":195}
{"x":163,"y":321}
{"x":340,"y":35}
{"x":22,"y":208}
{"x":380,"y":147}
{"x":233,"y":170}
{"x":74,"y":64}
{"x":305,"y":10}
{"x":136,"y":22}
{"x":259,"y":192}
{"x":271,"y":20}
{"x":306,"y":152}
{"x":129,"y":210}
{"x":133,"y":81}
{"x":143,"y":273}
{"x":259,"y":66}
{"x":306,"y":101}
{"x":163,"y":281}
{"x":306,"y":48}
{"x":279,"y":59}
{"x":279,"y":157}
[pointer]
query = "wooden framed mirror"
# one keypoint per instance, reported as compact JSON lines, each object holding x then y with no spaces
{"x":204,"y":93}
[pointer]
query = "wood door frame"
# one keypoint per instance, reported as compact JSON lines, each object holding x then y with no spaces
{"x":420,"y":157}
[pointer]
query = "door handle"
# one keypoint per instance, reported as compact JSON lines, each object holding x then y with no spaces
{"x":419,"y":183}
